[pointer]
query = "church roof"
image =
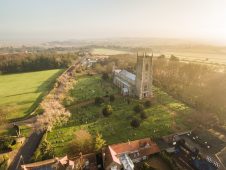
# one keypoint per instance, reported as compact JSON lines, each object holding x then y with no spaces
{"x":128,"y":75}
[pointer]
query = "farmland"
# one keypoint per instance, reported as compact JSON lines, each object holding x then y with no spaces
{"x":106,"y":51}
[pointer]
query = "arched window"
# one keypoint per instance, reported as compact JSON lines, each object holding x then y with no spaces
{"x":146,"y":67}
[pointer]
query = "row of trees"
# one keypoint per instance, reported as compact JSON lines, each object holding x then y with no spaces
{"x":25,"y":62}
{"x":54,"y":111}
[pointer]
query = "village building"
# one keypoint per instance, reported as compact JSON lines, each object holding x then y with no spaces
{"x":125,"y":155}
{"x":139,"y":84}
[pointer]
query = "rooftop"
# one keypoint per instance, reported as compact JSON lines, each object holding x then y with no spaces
{"x":134,"y":149}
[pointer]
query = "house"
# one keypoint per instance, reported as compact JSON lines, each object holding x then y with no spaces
{"x":125,"y":155}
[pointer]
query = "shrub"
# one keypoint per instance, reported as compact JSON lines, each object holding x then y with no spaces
{"x":105,"y":76}
{"x":6,"y":143}
{"x":99,"y":100}
{"x":112,"y":98}
{"x":147,"y":103}
{"x":4,"y":161}
{"x":138,"y":108}
{"x":107,"y":110}
{"x":78,"y":71}
{"x":46,"y":150}
{"x":135,"y":123}
{"x":143,"y":115}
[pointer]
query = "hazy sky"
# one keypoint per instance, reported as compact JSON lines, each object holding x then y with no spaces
{"x":71,"y":19}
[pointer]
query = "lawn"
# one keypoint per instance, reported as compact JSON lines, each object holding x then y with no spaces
{"x":89,"y":87}
{"x":21,"y":93}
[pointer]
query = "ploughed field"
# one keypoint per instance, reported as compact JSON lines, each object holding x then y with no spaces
{"x":161,"y":117}
{"x":21,"y":93}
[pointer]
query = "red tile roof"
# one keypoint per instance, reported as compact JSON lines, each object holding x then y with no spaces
{"x":144,"y":147}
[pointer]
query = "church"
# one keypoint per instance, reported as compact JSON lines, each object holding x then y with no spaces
{"x":139,"y":84}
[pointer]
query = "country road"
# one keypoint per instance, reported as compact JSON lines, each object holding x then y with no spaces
{"x":26,"y":151}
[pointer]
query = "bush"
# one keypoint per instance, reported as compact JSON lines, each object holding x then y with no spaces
{"x":46,"y":150}
{"x":112,"y":98}
{"x":99,"y":100}
{"x":105,"y":76}
{"x":135,"y":123}
{"x":147,"y":103}
{"x":138,"y":108}
{"x":6,"y":144}
{"x":143,"y":115}
{"x":107,"y":110}
{"x":4,"y":162}
{"x":78,"y":71}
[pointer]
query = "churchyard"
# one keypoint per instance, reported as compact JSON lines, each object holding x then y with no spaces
{"x":89,"y":87}
{"x":115,"y":128}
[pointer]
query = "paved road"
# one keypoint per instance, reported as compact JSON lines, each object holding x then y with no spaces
{"x":27,"y":150}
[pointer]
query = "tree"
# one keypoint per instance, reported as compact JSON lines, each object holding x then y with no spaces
{"x":138,"y":108}
{"x":143,"y":115}
{"x":17,"y":129}
{"x":99,"y":142}
{"x":135,"y":123}
{"x":99,"y":100}
{"x":82,"y":143}
{"x":174,"y":58}
{"x":107,"y":110}
{"x":112,"y":98}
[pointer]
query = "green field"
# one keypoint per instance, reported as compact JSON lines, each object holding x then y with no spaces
{"x":21,"y":93}
{"x":116,"y":128}
{"x":89,"y":87}
{"x":106,"y":51}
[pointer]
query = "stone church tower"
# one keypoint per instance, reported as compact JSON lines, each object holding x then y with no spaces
{"x":144,"y":76}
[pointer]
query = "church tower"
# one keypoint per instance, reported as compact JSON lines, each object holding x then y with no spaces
{"x":144,"y":76}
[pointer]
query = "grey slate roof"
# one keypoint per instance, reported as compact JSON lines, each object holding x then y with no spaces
{"x":127,"y":74}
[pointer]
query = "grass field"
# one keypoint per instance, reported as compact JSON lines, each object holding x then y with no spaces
{"x":21,"y":93}
{"x":116,"y":128}
{"x":89,"y":87}
{"x":105,"y":51}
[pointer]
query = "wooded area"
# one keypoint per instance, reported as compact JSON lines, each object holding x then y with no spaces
{"x":25,"y":62}
{"x":199,"y":85}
